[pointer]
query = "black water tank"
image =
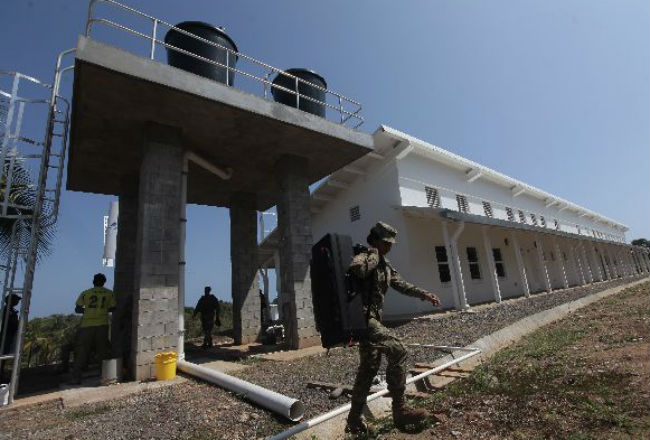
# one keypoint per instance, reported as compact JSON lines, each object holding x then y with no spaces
{"x":194,"y":65}
{"x":304,"y":89}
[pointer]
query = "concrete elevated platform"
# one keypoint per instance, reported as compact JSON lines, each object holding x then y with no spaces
{"x":116,"y":94}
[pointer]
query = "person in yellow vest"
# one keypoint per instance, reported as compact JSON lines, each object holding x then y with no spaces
{"x":94,"y":304}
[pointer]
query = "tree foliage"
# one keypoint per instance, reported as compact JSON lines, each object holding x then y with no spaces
{"x":22,"y":194}
{"x":641,"y":242}
{"x":46,"y":339}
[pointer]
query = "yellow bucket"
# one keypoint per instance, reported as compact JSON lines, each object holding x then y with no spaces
{"x":165,"y":365}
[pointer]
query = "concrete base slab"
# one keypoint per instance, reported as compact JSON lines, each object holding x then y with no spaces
{"x":84,"y":394}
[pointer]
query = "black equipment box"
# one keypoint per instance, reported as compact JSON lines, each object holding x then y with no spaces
{"x":338,"y":311}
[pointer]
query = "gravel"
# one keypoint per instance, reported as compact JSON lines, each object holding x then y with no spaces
{"x":196,"y":410}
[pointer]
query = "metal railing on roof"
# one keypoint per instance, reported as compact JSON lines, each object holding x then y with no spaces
{"x":348,"y":110}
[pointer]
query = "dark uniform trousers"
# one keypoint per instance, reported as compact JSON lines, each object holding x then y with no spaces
{"x":378,"y":341}
{"x":87,"y":337}
{"x":207,"y":326}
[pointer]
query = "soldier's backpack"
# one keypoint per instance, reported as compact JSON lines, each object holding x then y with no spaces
{"x":338,"y":308}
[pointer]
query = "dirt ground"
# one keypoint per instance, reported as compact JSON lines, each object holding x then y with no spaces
{"x":584,"y":377}
{"x":587,"y":376}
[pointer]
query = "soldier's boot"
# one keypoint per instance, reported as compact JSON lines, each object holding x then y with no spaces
{"x":355,"y":427}
{"x":404,"y":415}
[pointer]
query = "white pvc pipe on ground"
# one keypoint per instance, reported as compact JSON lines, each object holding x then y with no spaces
{"x":342,"y":409}
{"x":286,"y":406}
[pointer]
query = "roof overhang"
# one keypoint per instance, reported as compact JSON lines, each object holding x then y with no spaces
{"x":455,"y":216}
{"x":475,"y":171}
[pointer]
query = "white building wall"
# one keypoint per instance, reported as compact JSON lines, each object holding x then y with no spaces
{"x":417,"y":171}
{"x":401,"y":181}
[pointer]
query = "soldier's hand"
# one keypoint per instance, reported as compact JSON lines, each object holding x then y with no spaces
{"x":433,"y":299}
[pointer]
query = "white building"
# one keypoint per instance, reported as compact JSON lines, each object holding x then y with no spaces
{"x":466,"y":232}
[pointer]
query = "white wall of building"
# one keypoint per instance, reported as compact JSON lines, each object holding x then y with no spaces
{"x":399,"y":179}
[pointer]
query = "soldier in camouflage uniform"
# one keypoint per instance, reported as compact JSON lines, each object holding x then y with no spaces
{"x":377,"y":274}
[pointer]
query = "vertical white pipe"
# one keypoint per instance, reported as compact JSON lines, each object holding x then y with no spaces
{"x":594,"y":258}
{"x":181,"y":261}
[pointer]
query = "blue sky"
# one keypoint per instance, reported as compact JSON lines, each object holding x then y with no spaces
{"x":551,"y":92}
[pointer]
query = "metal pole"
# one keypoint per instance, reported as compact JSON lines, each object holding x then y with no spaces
{"x":32,"y":251}
{"x":153,"y":38}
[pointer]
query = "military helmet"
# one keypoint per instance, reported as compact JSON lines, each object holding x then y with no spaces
{"x":384,"y":232}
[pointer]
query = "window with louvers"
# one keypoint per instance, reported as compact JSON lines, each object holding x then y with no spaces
{"x":462,"y":203}
{"x":542,"y":220}
{"x":474,"y":268}
{"x":443,"y":264}
{"x":433,"y":198}
{"x":557,"y":224}
{"x":487,"y":209}
{"x":522,"y":216}
{"x":533,"y":219}
{"x":355,"y":213}
{"x":498,"y":262}
{"x":511,"y":215}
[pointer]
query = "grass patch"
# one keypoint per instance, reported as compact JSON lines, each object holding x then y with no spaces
{"x":84,"y":413}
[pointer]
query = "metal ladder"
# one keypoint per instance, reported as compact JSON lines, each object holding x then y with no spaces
{"x":41,"y":162}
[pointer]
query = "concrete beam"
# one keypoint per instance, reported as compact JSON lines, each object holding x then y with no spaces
{"x":473,"y":174}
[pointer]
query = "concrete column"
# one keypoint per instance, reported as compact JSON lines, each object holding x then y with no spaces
{"x":645,"y":257}
{"x":542,"y":264}
{"x":643,"y":268}
{"x":560,"y":263}
{"x":243,"y":255}
{"x":603,"y":260}
{"x":155,"y":302}
{"x":583,"y":255}
{"x":625,"y":260}
{"x":294,"y":226}
{"x":520,"y":264}
{"x":454,"y":258}
{"x":492,"y":268}
{"x":577,"y":265}
{"x":452,"y":269}
{"x":598,"y":271}
{"x":612,"y":268}
{"x":124,"y":275}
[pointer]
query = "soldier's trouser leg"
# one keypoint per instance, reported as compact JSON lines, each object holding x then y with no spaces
{"x":369,"y":361}
{"x":379,"y":341}
{"x":207,"y":325}
{"x":81,"y":350}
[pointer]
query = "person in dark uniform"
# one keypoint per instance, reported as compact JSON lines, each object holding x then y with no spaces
{"x":11,"y":301}
{"x":377,"y":274}
{"x":9,"y":337}
{"x":208,"y":307}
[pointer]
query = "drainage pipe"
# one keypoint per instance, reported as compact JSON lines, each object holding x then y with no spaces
{"x":225,"y":174}
{"x":345,"y":408}
{"x":182,"y":227}
{"x":288,"y":407}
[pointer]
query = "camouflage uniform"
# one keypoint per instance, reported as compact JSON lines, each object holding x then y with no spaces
{"x":378,"y":275}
